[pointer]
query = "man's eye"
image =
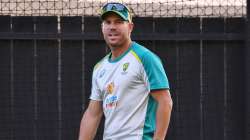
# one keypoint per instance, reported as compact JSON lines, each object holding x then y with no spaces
{"x":106,"y":22}
{"x":119,"y":21}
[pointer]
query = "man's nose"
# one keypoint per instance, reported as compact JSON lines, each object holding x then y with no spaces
{"x":112,"y":26}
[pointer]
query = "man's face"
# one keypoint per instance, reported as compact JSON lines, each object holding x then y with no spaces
{"x":116,"y":31}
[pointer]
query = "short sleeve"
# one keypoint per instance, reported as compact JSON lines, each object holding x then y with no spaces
{"x":154,"y":71}
{"x":95,"y":90}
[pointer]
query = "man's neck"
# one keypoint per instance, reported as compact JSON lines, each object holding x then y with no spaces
{"x":118,"y":51}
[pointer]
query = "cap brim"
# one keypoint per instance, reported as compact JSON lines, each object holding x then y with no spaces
{"x":115,"y":12}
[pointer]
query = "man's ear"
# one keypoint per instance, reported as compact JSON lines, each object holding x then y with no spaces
{"x":131,"y":26}
{"x":101,"y":26}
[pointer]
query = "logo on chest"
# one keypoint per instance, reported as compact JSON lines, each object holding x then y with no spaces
{"x":110,"y":88}
{"x":125,"y":68}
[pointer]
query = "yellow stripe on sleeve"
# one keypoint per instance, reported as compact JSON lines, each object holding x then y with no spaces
{"x":136,"y":56}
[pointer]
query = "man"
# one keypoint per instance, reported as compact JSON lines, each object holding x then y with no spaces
{"x":129,"y":86}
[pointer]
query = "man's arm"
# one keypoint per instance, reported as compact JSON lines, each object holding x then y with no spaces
{"x":163,"y":112}
{"x":91,"y":120}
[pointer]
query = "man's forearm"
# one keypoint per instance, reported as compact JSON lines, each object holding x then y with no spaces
{"x":89,"y":126}
{"x":162,"y":119}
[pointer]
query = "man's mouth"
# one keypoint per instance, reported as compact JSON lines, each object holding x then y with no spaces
{"x":113,"y":35}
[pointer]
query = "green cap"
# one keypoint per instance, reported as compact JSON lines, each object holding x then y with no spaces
{"x":117,"y":8}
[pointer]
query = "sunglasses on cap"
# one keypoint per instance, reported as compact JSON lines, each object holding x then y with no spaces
{"x":114,"y":6}
{"x":117,"y":8}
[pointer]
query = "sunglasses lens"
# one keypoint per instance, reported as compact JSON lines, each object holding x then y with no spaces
{"x":119,"y":7}
{"x":108,"y":7}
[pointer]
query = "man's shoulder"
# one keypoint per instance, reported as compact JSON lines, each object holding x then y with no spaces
{"x":142,"y":52}
{"x":139,"y":49}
